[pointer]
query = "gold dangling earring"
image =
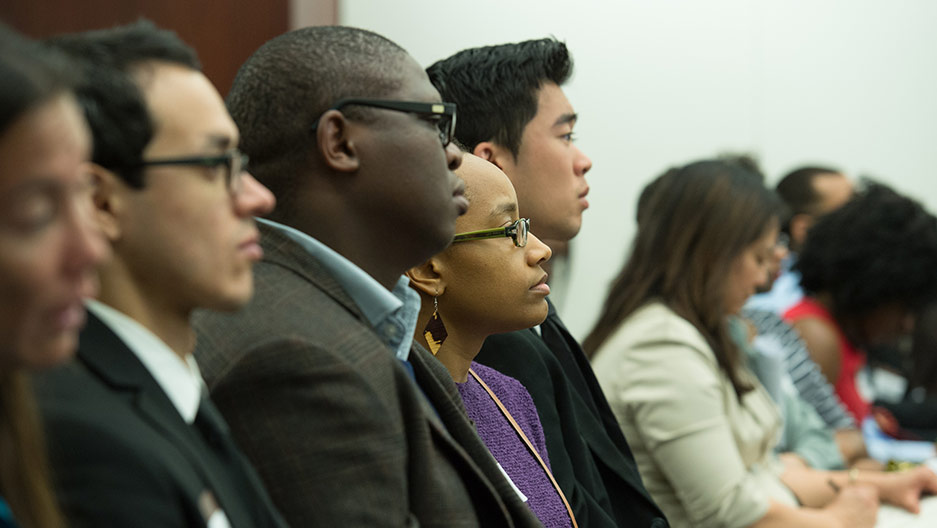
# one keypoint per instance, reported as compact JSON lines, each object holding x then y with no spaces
{"x":435,"y":331}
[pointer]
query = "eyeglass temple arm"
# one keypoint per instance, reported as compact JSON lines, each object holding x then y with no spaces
{"x":484,"y":233}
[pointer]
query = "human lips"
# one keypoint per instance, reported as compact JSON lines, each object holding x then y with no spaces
{"x":541,"y":285}
{"x":250,"y":247}
{"x":582,"y":198}
{"x":69,"y":316}
{"x":458,"y":197}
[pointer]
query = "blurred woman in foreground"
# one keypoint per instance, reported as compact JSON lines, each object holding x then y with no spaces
{"x":48,"y":251}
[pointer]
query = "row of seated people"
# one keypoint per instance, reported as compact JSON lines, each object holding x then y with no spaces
{"x":702,"y":399}
{"x":325,"y":408}
{"x":367,"y":346}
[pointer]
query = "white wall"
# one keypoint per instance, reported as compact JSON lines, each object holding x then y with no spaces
{"x":847,"y":83}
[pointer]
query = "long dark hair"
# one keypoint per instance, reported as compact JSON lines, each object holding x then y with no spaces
{"x":693,"y":221}
{"x":30,"y":76}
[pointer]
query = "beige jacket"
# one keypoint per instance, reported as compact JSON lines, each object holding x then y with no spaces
{"x":706,"y":458}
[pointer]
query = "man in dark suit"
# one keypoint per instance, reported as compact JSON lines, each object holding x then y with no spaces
{"x":347,"y":420}
{"x":513,"y":112}
{"x":133,"y":438}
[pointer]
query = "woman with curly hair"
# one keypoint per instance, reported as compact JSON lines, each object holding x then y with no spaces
{"x":866,"y":269}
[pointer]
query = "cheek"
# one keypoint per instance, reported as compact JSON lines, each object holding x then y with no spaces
{"x":30,"y":289}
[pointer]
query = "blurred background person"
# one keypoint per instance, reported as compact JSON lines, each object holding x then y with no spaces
{"x":809,"y":193}
{"x":48,"y":251}
{"x":703,"y":428}
{"x":867,"y":269}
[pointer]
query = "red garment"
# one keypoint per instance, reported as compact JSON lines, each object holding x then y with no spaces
{"x":851,"y":359}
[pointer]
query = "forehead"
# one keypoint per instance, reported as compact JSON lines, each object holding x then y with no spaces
{"x":834,"y":190}
{"x":488,"y":190}
{"x":187,"y":111}
{"x":45,"y":142}
{"x":414,"y":83}
{"x":552,"y":105}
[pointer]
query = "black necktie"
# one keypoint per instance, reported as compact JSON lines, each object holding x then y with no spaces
{"x":214,"y":430}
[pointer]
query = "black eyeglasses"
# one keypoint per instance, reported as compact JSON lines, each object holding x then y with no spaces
{"x":234,"y":162}
{"x":442,"y":113}
{"x":518,"y":231}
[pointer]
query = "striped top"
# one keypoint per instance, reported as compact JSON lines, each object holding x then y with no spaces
{"x":809,"y":381}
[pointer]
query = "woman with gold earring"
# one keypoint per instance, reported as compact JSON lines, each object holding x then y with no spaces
{"x":490,"y":281}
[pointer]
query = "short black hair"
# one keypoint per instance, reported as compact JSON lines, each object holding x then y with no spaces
{"x":30,"y":74}
{"x":798,"y":192}
{"x":110,"y":91}
{"x":496,"y":87}
{"x":290,"y":81}
{"x":878,"y":248}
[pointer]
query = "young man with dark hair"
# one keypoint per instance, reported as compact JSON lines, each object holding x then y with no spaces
{"x":349,"y":422}
{"x":134,"y":440}
{"x":513,"y":112}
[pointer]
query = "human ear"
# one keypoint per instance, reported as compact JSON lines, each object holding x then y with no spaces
{"x":427,"y":278}
{"x":799,"y":225}
{"x":493,"y":153}
{"x":336,"y":142}
{"x":108,"y":199}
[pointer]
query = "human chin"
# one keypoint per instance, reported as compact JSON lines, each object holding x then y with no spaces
{"x":42,"y":351}
{"x":235,"y":294}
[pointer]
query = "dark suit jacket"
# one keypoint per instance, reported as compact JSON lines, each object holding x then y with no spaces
{"x":590,"y":458}
{"x":334,"y":423}
{"x":122,"y":455}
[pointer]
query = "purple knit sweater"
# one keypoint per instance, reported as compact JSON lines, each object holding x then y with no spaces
{"x":507,"y":447}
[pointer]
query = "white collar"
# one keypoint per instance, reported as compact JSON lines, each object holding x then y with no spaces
{"x":180,"y":380}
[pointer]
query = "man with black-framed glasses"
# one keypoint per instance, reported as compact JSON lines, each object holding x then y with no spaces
{"x":348,"y":421}
{"x":133,"y":438}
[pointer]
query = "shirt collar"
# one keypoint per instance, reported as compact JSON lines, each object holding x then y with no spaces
{"x":392,"y":313}
{"x":180,"y":379}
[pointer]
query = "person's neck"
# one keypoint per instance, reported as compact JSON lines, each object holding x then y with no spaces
{"x":825,"y":300}
{"x":167,"y":322}
{"x":385,"y":258}
{"x":458,"y":350}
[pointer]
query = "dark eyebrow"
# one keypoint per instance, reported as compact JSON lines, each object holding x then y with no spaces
{"x":503,"y":209}
{"x":566,"y":119}
{"x":218,"y":141}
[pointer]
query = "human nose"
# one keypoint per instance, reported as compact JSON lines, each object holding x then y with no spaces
{"x":537,"y":251}
{"x":582,"y":164}
{"x":253,"y":199}
{"x":85,"y":244}
{"x":453,"y":156}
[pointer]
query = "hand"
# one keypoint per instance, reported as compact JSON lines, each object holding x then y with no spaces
{"x":904,"y":489}
{"x":855,"y":506}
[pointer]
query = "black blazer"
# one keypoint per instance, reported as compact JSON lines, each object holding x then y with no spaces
{"x":121,"y":454}
{"x":589,"y":455}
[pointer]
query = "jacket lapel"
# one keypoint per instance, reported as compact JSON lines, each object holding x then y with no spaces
{"x":281,"y":250}
{"x":109,"y":358}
